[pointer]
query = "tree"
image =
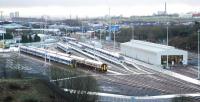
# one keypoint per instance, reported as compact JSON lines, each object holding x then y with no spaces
{"x":37,"y":38}
{"x":24,"y":39}
{"x":30,"y":38}
{"x":184,"y":99}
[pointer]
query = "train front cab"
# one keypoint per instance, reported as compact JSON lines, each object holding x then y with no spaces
{"x":104,"y":68}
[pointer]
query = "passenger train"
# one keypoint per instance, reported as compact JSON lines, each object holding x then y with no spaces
{"x":83,"y":62}
{"x":48,"y":55}
{"x":109,"y":56}
{"x":92,"y":50}
{"x":66,"y":58}
{"x":66,"y":39}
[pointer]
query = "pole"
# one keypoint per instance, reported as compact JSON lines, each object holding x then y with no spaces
{"x":133,"y":29}
{"x":100,"y":36}
{"x":198,"y":57}
{"x":3,"y":39}
{"x":94,"y":50}
{"x":82,"y":27}
{"x":109,"y":25}
{"x":45,"y":56}
{"x":167,"y":45}
{"x":114,"y":39}
{"x":90,"y":37}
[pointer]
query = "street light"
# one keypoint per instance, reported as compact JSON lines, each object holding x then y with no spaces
{"x":133,"y":29}
{"x":114,"y":39}
{"x":198,"y":57}
{"x":3,"y":39}
{"x":100,"y":37}
{"x":167,"y":45}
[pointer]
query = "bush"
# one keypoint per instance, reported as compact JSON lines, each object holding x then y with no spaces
{"x":30,"y":98}
{"x":8,"y":99}
{"x":184,"y":99}
{"x":14,"y":86}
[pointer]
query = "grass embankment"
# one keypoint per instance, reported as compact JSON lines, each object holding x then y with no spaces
{"x":29,"y":90}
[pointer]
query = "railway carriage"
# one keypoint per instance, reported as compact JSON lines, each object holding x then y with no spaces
{"x":66,"y":39}
{"x":66,"y":58}
{"x":83,"y":62}
{"x":49,"y":55}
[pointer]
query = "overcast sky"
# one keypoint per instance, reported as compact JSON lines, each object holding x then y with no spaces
{"x":93,"y":8}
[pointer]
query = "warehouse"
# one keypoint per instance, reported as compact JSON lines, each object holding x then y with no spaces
{"x":152,"y":53}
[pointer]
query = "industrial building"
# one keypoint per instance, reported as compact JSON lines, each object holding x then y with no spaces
{"x":155,"y":54}
{"x":2,"y":31}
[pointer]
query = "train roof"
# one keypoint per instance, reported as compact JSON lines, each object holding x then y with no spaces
{"x":111,"y":53}
{"x":76,"y":57}
{"x":102,"y":50}
{"x":52,"y":53}
{"x":77,"y":44}
{"x":70,"y":38}
{"x":93,"y":61}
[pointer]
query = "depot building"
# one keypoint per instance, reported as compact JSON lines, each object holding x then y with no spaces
{"x":155,"y":54}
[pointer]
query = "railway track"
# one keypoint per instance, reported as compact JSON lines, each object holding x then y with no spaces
{"x":163,"y":83}
{"x":167,"y":77}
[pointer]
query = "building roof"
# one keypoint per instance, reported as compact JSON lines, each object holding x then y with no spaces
{"x":49,"y":30}
{"x":11,"y":26}
{"x":148,"y":46}
{"x":2,"y":31}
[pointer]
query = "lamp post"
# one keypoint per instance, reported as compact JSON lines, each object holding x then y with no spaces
{"x":133,"y":29}
{"x":4,"y":31}
{"x":167,"y":45}
{"x":3,"y":39}
{"x":100,"y":37}
{"x":198,"y":57}
{"x":110,"y":18}
{"x":114,"y":39}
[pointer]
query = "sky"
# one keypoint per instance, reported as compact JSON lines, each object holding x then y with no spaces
{"x":95,"y":8}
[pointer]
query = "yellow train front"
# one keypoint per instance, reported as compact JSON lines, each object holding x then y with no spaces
{"x":103,"y":68}
{"x":92,"y":64}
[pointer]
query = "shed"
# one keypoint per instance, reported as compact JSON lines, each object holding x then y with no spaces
{"x":153,"y":53}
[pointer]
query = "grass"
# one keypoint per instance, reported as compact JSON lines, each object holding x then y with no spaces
{"x":28,"y":90}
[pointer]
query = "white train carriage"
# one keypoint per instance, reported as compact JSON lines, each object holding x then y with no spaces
{"x":102,"y":56}
{"x":48,"y":55}
{"x":32,"y":51}
{"x":76,"y":44}
{"x":111,"y":55}
{"x":83,"y":62}
{"x":66,"y":39}
{"x":64,"y":48}
{"x":79,"y":51}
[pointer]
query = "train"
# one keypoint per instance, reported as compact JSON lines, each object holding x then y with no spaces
{"x":49,"y":55}
{"x":112,"y":55}
{"x":106,"y":55}
{"x":83,"y":62}
{"x":64,"y":48}
{"x":68,"y":59}
{"x":66,"y":39}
